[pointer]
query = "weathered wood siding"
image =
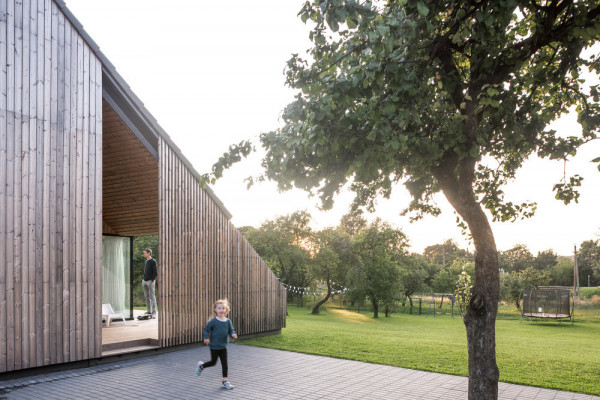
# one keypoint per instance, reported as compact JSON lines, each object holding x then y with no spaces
{"x":50,"y":189}
{"x":204,"y":258}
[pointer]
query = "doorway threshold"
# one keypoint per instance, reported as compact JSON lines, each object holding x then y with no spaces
{"x":131,"y":346}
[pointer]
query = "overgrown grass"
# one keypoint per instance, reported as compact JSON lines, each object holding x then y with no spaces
{"x":589,"y":292}
{"x":563,"y":356}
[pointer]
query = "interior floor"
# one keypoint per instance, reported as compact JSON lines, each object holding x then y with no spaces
{"x":129,"y":336}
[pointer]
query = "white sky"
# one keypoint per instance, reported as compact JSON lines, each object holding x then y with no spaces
{"x":211,"y":73}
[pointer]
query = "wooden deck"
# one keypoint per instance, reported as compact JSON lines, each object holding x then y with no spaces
{"x":129,"y":337}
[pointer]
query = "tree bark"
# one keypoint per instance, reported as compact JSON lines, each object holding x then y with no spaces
{"x":480,"y":321}
{"x":375,"y":309}
{"x":480,"y":316}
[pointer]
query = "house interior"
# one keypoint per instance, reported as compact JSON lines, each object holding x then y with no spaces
{"x":129,"y":209}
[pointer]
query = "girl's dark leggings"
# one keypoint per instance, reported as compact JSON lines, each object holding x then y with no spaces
{"x":214,"y":354}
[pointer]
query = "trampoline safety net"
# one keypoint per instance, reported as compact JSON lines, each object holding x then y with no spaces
{"x":546,"y":303}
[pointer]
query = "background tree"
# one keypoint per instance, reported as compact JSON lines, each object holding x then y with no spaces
{"x":463,"y":289}
{"x":443,"y":282}
{"x":516,"y":259}
{"x":515,"y":282}
{"x":446,"y":278}
{"x":441,"y":96}
{"x":332,"y":258}
{"x":445,"y":253}
{"x":353,"y":222}
{"x":413,"y":280}
{"x":588,"y":263}
{"x":377,"y":247}
{"x":283,"y":244}
{"x":561,"y":274}
{"x":545,"y":260}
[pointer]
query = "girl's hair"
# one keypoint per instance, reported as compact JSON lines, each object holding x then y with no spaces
{"x":225,"y":302}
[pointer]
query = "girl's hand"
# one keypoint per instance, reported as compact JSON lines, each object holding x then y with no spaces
{"x":206,"y":341}
{"x":234,"y":336}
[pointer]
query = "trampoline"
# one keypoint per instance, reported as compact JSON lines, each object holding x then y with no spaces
{"x":547,"y":303}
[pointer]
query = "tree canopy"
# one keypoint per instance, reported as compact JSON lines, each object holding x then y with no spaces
{"x":282,"y":243}
{"x":440,"y":96}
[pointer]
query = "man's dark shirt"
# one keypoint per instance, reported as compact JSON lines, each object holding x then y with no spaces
{"x":150,"y":271}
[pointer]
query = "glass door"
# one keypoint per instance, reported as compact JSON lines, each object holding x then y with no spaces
{"x":116,"y":273}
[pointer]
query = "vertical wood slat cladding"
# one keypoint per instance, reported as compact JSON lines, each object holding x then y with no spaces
{"x":204,"y":258}
{"x":50,"y":189}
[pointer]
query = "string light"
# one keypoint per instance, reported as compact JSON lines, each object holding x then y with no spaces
{"x":307,"y":290}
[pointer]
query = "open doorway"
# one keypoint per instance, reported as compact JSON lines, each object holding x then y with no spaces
{"x":129,"y":211}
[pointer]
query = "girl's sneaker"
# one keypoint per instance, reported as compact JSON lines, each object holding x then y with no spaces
{"x":227,"y":385}
{"x":199,"y":368}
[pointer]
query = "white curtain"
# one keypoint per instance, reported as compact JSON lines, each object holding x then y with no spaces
{"x":115,"y":273}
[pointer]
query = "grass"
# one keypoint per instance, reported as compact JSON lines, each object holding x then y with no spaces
{"x":589,"y":292}
{"x":562,"y":357}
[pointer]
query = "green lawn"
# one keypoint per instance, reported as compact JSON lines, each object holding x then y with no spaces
{"x":563,"y":357}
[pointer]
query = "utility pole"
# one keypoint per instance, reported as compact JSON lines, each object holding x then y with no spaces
{"x":576,"y":290}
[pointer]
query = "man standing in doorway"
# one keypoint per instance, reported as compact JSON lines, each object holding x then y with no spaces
{"x":150,"y":274}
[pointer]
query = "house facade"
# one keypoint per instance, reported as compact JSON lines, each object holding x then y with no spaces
{"x":77,"y":149}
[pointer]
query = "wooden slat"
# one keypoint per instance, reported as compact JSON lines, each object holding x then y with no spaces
{"x":78,"y":197}
{"x":98,"y":205}
{"x":43,"y":279}
{"x":66,"y":214}
{"x":13,"y":283}
{"x":58,"y":313}
{"x":84,"y":88}
{"x":92,"y":317}
{"x":73,"y":167}
{"x":4,"y":195}
{"x":54,"y":149}
{"x":36,"y":270}
{"x":28,"y":300}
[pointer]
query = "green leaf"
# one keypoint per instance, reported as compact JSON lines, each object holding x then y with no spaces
{"x":422,"y":9}
{"x":474,"y":152}
{"x":383,"y":30}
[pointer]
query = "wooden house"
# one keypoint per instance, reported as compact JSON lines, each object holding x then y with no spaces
{"x":81,"y":157}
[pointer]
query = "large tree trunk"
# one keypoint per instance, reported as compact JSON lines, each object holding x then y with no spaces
{"x":480,"y":317}
{"x":375,"y":309}
{"x":315,"y":310}
{"x":480,"y":320}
